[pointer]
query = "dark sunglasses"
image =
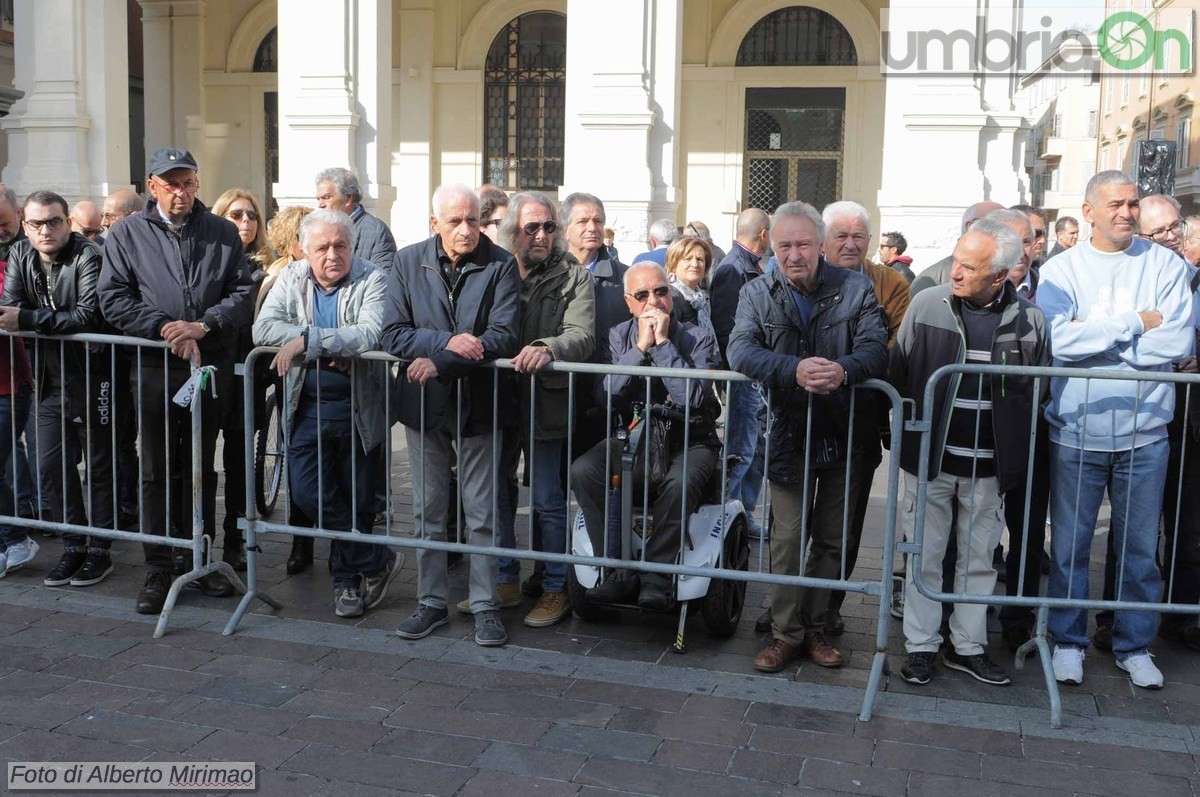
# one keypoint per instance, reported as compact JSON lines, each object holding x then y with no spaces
{"x":644,"y":294}
{"x":532,"y":227}
{"x":237,"y":215}
{"x":1039,"y":233}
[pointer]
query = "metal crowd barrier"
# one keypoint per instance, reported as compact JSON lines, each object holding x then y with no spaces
{"x":1042,"y":604}
{"x":115,"y":367}
{"x":578,"y":374}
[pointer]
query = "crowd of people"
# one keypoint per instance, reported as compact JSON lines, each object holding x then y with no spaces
{"x":795,"y":304}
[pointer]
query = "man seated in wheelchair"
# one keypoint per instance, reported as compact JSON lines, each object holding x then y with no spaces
{"x":652,"y":338}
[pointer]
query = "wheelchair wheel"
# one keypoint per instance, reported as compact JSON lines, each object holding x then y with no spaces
{"x":722,"y":606}
{"x":268,"y":456}
{"x":584,"y":608}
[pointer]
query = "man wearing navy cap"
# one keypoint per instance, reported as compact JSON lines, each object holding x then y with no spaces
{"x":175,"y":272}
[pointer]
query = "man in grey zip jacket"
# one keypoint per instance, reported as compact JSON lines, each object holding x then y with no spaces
{"x":453,"y":304}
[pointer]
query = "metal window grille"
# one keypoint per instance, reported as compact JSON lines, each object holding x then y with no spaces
{"x":797,"y":36}
{"x":524,"y":103}
{"x":266,"y":58}
{"x":793,"y":153}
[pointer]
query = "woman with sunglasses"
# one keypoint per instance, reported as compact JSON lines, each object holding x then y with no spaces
{"x":688,"y":261}
{"x":242,"y":208}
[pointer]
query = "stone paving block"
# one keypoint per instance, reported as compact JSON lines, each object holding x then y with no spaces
{"x":940,"y":761}
{"x":926,"y":784}
{"x":276,"y":649}
{"x":165,"y":705}
{"x":95,"y":695}
{"x":829,"y":746}
{"x":37,"y":637}
{"x":445,"y":672}
{"x":533,"y":683}
{"x":271,"y":671}
{"x":592,"y":791}
{"x":253,"y":692}
{"x":162,"y":679}
{"x":291,"y":784}
{"x":834,"y":776}
{"x":1083,"y":780}
{"x":626,"y":695}
{"x":930,"y":735}
{"x":520,"y":704}
{"x":383,"y":689}
{"x":709,"y":730}
{"x":28,"y":659}
{"x":164,"y":656}
{"x":424,"y":746}
{"x":75,"y":623}
{"x":696,"y":755}
{"x":363,"y":707}
{"x":1129,"y":707}
{"x":639,"y":778}
{"x":96,"y":647}
{"x":337,"y":732}
{"x":374,"y":769}
{"x":597,"y":741}
{"x":82,"y":667}
{"x":1105,"y":755}
{"x":519,"y":759}
{"x":42,"y":745}
{"x":31,"y":684}
{"x":146,"y":732}
{"x":265,"y":750}
{"x":806,"y":719}
{"x":636,"y":720}
{"x":467,"y":723}
{"x":20,"y":615}
{"x":33,"y":712}
{"x":363,"y":661}
{"x":503,"y":784}
{"x":427,"y":694}
{"x":250,"y":718}
{"x":711,"y":706}
{"x":773,"y":767}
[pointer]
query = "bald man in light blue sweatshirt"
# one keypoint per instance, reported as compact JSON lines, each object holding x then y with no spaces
{"x":1114,"y":303}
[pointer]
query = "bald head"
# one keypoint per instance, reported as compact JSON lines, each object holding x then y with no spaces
{"x":85,"y":219}
{"x":753,"y":225}
{"x":977,"y":212}
{"x":1160,"y":221}
{"x":119,"y":204}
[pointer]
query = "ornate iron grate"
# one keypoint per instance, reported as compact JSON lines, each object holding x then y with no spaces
{"x":797,"y":36}
{"x":793,"y":153}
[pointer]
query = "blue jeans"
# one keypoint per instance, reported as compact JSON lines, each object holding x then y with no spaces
{"x":744,"y":440}
{"x":548,"y":515}
{"x":14,"y":411}
{"x":1134,"y":480}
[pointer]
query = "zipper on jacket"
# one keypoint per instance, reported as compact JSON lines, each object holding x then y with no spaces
{"x":955,"y":381}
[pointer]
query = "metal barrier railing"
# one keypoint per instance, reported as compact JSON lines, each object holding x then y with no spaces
{"x":115,"y":370}
{"x":738,"y":571}
{"x":1037,"y":467}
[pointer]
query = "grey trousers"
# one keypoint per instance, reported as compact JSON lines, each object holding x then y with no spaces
{"x":430,"y":458}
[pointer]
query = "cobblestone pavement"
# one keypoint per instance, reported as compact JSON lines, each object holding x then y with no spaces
{"x":328,"y":706}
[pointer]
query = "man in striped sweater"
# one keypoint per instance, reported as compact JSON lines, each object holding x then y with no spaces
{"x":980,"y":445}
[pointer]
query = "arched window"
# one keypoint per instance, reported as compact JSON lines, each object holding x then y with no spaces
{"x":797,"y":36}
{"x":266,"y":58}
{"x":523,"y":107}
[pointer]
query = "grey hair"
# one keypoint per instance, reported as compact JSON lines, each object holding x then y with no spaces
{"x":9,"y":196}
{"x":1009,"y":248}
{"x":447,"y":193}
{"x":578,"y":198}
{"x":1006,"y":215}
{"x":645,"y":265}
{"x":798,"y":210}
{"x":1063,"y":221}
{"x":664,"y":231}
{"x":507,"y":234}
{"x":1104,"y":180}
{"x":344,"y":182}
{"x":845,"y":208}
{"x":326,"y":216}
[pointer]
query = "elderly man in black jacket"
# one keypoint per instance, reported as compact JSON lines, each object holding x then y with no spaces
{"x":453,"y":305}
{"x":809,"y":331}
{"x":50,"y":288}
{"x":175,"y":272}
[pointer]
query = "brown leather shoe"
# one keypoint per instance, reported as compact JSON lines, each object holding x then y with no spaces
{"x":775,"y":656}
{"x":820,"y":651}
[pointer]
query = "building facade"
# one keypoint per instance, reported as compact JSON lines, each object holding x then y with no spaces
{"x":686,"y":109}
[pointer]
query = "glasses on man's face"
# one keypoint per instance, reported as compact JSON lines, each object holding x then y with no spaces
{"x":549,"y":226}
{"x":176,"y":188}
{"x":1178,"y":229}
{"x":92,"y":232}
{"x":493,"y":223}
{"x":1039,"y":233}
{"x":38,"y":224}
{"x":644,"y":294}
{"x":239,"y":214}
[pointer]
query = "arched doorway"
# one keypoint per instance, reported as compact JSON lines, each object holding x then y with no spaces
{"x":794,"y":136}
{"x":524,"y":103}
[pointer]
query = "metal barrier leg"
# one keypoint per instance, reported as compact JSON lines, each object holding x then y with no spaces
{"x":1041,"y":643}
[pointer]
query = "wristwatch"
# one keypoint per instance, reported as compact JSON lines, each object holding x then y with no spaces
{"x":205,"y":327}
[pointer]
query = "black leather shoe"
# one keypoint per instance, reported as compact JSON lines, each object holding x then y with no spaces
{"x":153,"y":594}
{"x":655,"y":593}
{"x":763,"y":624}
{"x":833,"y":622}
{"x":301,"y":556}
{"x":620,"y":587}
{"x":179,"y":561}
{"x":214,"y":585}
{"x":234,"y":553}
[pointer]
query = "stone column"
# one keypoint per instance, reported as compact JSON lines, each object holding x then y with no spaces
{"x":70,"y":131}
{"x":335,"y":89}
{"x":173,"y":47}
{"x":622,"y":111}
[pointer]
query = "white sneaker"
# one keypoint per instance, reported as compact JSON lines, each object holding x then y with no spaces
{"x":1068,"y":665}
{"x":1142,"y":671}
{"x":21,"y":554}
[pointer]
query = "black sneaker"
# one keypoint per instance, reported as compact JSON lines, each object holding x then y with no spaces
{"x":1102,"y":639}
{"x":421,"y":623}
{"x":979,"y":667}
{"x":918,"y":668}
{"x":96,"y":568}
{"x":347,"y":602}
{"x":153,"y":594}
{"x":66,"y":568}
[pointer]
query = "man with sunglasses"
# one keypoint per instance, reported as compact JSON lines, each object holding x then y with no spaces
{"x":87,"y":220}
{"x":653,"y":337}
{"x":175,"y":272}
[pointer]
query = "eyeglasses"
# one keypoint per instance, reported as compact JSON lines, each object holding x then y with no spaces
{"x":1178,"y":229}
{"x":549,"y":226}
{"x":37,"y":224}
{"x":1039,"y":233}
{"x":176,"y":188}
{"x":493,"y":223}
{"x":91,"y":232}
{"x":239,"y":214}
{"x":644,"y":294}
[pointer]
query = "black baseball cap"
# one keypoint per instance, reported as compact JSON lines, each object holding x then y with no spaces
{"x":168,"y":158}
